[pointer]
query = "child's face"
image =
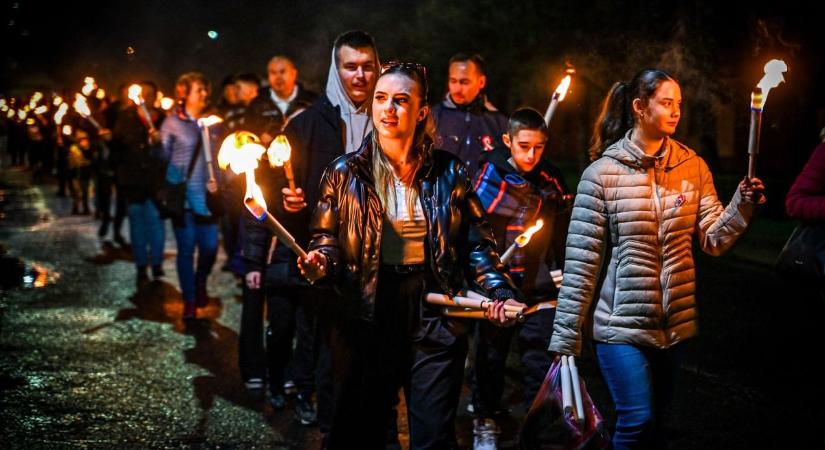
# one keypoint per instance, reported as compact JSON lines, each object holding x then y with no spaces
{"x":526,"y":147}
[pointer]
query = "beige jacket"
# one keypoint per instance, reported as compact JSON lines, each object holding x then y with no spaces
{"x":635,"y":216}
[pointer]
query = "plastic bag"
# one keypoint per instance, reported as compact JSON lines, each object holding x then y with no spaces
{"x":547,"y":426}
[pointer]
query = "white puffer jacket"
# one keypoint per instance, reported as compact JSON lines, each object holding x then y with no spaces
{"x":642,"y":212}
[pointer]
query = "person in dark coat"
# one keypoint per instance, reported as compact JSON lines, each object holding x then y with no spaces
{"x":466,"y":123}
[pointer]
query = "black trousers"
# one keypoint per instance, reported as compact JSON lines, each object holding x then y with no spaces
{"x":408,"y":345}
{"x":492,"y":345}
{"x":290,"y":314}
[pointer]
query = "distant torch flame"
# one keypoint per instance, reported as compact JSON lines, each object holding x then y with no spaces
{"x":279,"y":151}
{"x":57,"y":100}
{"x":42,"y":109}
{"x":209,"y":121}
{"x":136,"y":94}
{"x":773,"y":76}
{"x":88,"y":86}
{"x":524,"y":238}
{"x":563,"y":87}
{"x":11,"y":113}
{"x":61,"y":112}
{"x":100,"y":94}
{"x":167,"y":103}
{"x":81,"y":106}
{"x":240,"y":152}
{"x":21,"y":114}
{"x":67,"y":130}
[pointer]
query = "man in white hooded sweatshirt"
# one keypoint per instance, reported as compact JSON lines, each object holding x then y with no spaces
{"x":335,"y":124}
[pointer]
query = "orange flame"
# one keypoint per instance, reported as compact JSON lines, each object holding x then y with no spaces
{"x":167,"y":103}
{"x":563,"y":87}
{"x":208,"y":121}
{"x":773,"y":76}
{"x":61,"y":112}
{"x":100,"y":94}
{"x":240,"y":152}
{"x":135,"y":94}
{"x":279,"y":151}
{"x":88,"y":86}
{"x":81,"y":106}
{"x":524,"y":238}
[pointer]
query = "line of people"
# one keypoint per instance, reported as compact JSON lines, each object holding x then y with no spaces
{"x":396,"y":199}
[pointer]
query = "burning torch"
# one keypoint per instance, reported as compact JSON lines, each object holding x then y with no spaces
{"x":241,"y":152}
{"x":136,"y":95}
{"x":521,"y":241}
{"x":559,"y":94}
{"x":82,"y":108}
{"x":205,"y":123}
{"x":278,"y":153}
{"x":773,"y":76}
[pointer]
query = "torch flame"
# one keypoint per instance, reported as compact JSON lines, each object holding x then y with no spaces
{"x":57,"y":100}
{"x":42,"y":109}
{"x":100,"y":94}
{"x":167,"y":103}
{"x":241,"y":151}
{"x":208,"y":121}
{"x":67,"y":130}
{"x":773,"y":76}
{"x":11,"y":113}
{"x":563,"y":87}
{"x":81,"y":106}
{"x":135,"y":94}
{"x":61,"y":112}
{"x":21,"y":114}
{"x":279,"y":151}
{"x":89,"y":85}
{"x":524,"y":238}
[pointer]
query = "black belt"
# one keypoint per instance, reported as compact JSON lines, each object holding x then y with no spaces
{"x":404,"y":268}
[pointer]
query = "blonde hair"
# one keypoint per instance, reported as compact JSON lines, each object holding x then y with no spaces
{"x":382,"y":172}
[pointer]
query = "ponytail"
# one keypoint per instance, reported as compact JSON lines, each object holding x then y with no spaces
{"x":616,"y":113}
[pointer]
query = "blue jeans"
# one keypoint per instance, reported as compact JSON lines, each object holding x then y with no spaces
{"x":187,"y":235}
{"x":641,"y":381}
{"x":146,"y":230}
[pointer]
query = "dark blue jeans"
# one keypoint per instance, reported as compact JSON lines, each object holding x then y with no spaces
{"x":188,"y":234}
{"x":641,"y":381}
{"x":146,"y":231}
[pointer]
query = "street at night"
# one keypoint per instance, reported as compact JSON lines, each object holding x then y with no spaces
{"x":412,"y":225}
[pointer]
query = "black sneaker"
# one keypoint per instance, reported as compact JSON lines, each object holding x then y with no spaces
{"x":142,"y":276}
{"x":305,"y":410}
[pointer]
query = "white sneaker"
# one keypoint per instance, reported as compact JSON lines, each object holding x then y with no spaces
{"x":254,"y":384}
{"x":485,"y":434}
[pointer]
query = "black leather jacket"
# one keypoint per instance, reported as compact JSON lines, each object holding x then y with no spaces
{"x":347,"y":222}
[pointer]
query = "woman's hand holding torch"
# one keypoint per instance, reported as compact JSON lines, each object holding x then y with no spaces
{"x":313,"y":266}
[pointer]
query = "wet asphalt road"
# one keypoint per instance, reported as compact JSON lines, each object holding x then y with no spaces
{"x":88,"y":362}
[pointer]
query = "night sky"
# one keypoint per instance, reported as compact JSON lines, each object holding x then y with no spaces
{"x":716,"y":50}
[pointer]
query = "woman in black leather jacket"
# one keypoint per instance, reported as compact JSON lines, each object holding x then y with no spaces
{"x":395,"y":220}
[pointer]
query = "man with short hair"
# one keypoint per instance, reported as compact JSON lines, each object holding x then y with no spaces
{"x":467,"y":124}
{"x":269,"y":112}
{"x":335,"y":124}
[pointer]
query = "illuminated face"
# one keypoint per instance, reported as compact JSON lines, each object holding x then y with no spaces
{"x":357,"y":71}
{"x":661,"y":114}
{"x":465,"y":82}
{"x":397,"y":107}
{"x":282,"y":75}
{"x":526,"y":148}
{"x":196,"y":99}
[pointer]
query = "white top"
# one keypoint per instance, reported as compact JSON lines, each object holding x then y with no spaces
{"x":402,"y":238}
{"x":283,"y":103}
